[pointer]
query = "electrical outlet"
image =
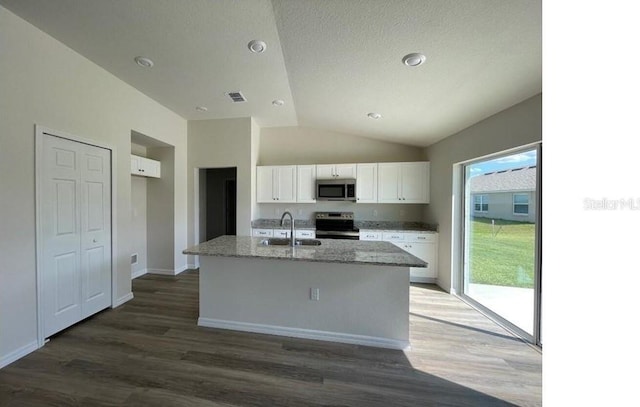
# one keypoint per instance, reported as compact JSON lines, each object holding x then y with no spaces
{"x":314,"y":294}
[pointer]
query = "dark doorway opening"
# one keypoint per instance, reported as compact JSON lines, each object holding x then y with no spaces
{"x":220,"y":202}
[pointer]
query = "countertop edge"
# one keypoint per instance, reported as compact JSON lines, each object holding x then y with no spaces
{"x":369,"y":263}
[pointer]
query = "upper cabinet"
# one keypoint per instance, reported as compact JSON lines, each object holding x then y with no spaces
{"x":145,"y":167}
{"x":367,"y":183}
{"x":336,"y":171}
{"x":276,"y":183}
{"x":406,"y":182}
{"x":403,"y":182}
{"x":306,"y":184}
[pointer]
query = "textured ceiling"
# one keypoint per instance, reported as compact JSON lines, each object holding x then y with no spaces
{"x":331,"y":61}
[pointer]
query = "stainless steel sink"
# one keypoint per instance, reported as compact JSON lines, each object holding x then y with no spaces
{"x":308,"y":242}
{"x":276,"y":241}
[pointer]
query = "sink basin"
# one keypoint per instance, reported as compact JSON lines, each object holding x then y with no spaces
{"x":275,"y":241}
{"x":308,"y":242}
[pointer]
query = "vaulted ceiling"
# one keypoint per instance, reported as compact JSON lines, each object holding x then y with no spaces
{"x":330,"y":61}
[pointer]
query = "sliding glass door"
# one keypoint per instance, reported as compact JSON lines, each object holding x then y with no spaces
{"x":501,"y":239}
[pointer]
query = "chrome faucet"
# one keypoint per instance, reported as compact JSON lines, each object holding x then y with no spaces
{"x":293,"y":236}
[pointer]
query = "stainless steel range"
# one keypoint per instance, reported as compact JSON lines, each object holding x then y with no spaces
{"x":336,"y":225}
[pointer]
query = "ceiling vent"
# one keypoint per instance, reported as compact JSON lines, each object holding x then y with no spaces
{"x":236,"y":97}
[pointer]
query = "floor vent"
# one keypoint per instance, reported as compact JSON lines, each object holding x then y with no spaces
{"x":134,"y":258}
{"x":236,"y":97}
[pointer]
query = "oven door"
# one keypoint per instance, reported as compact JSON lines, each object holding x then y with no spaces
{"x":337,"y":234}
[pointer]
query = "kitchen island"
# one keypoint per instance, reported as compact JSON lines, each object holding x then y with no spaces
{"x":341,"y":290}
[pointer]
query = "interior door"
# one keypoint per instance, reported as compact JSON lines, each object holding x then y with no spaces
{"x":75,"y":232}
{"x":95,"y":228}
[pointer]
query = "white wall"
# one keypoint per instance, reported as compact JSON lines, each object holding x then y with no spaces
{"x":218,"y":144}
{"x":44,"y":82}
{"x":517,"y":126}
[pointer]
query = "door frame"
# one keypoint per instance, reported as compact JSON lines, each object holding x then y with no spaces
{"x":40,"y":133}
{"x":459,"y":247}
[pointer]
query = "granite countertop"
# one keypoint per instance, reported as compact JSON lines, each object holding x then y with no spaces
{"x":330,"y":251}
{"x":364,"y":224}
{"x":396,"y":225}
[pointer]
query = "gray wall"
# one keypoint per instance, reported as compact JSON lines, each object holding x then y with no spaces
{"x":161,"y":223}
{"x":139,"y":223}
{"x":219,"y":144}
{"x":302,"y":145}
{"x":44,"y":82}
{"x":500,"y":206}
{"x":514,"y":127}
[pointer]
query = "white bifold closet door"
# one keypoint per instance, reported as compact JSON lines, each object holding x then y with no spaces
{"x":75,"y":227}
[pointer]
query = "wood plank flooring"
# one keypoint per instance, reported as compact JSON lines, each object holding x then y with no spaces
{"x":150,"y":352}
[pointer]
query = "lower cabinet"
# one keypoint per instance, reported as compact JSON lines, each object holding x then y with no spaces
{"x":422,"y":245}
{"x":283,"y":233}
{"x":262,"y":232}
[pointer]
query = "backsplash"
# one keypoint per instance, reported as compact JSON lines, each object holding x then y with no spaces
{"x":373,"y":212}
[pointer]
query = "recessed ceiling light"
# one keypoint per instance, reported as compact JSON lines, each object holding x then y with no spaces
{"x":278,"y":102}
{"x":257,"y":46}
{"x":201,"y":108}
{"x":374,"y":116}
{"x":144,"y":62}
{"x":414,"y":59}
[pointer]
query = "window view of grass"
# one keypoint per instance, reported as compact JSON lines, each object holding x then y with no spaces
{"x":502,"y":253}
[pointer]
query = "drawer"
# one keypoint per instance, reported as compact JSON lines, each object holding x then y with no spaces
{"x":281,"y":233}
{"x":305,"y":234}
{"x":262,"y":232}
{"x":393,"y":236}
{"x":370,"y":235}
{"x":420,"y":237}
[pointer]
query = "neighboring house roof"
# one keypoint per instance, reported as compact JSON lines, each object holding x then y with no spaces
{"x":516,"y":179}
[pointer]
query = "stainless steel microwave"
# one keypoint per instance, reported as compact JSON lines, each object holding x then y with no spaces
{"x":336,"y":190}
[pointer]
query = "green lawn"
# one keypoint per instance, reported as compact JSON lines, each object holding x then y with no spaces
{"x":502,"y":254}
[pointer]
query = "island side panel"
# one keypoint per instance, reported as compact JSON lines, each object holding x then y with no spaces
{"x":362,"y":304}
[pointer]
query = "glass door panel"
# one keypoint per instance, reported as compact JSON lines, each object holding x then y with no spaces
{"x":500,"y":238}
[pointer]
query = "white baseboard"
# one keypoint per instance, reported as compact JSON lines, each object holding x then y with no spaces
{"x":167,"y":272}
{"x":305,"y":333}
{"x":138,"y":273}
{"x":18,"y":353}
{"x":163,"y":272}
{"x":122,"y":300}
{"x":192,"y":266}
{"x":424,"y":280}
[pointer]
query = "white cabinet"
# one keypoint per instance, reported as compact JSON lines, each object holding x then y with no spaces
{"x":283,"y":233}
{"x":403,"y":182}
{"x":145,"y":167}
{"x":305,"y":234}
{"x":367,"y":183}
{"x":422,"y":245}
{"x":276,"y":183}
{"x":262,"y":232}
{"x":336,"y":171}
{"x":306,"y":184}
{"x":370,"y":235}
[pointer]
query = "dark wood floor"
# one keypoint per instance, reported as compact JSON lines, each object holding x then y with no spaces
{"x":149,"y":352}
